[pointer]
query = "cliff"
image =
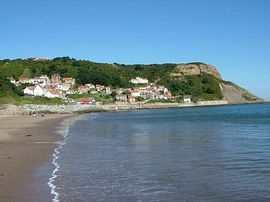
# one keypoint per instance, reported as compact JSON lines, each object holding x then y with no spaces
{"x":198,"y":68}
{"x":231,"y":92}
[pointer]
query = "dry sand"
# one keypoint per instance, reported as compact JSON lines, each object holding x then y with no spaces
{"x":20,"y":153}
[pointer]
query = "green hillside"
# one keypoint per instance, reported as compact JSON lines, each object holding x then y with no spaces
{"x":200,"y":87}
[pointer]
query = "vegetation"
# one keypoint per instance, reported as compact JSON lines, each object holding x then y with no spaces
{"x":99,"y":97}
{"x":9,"y":93}
{"x":200,"y":87}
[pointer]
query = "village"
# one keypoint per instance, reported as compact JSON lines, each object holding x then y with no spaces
{"x":63,"y":88}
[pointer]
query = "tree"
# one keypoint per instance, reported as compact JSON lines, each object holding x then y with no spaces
{"x":26,"y":73}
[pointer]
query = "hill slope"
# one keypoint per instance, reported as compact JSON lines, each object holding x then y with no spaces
{"x":201,"y":81}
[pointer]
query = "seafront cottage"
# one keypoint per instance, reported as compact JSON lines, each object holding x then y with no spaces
{"x":121,"y":98}
{"x":58,"y":87}
{"x":86,"y":101}
{"x":34,"y":90}
{"x":131,"y":99}
{"x":54,"y":93}
{"x":187,"y":99}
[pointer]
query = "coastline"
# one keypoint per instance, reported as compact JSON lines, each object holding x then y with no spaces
{"x":26,"y":142}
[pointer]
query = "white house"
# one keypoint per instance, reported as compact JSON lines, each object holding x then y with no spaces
{"x":139,"y":80}
{"x":135,"y":93}
{"x":53,"y":93}
{"x":43,"y":80}
{"x":64,"y":86}
{"x":29,"y":90}
{"x":131,"y":99}
{"x":187,"y":99}
{"x":121,"y":97}
{"x":34,"y":90}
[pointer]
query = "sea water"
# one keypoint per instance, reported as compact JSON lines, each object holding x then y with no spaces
{"x":189,"y":154}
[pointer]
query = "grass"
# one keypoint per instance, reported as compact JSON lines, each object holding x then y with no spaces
{"x":18,"y":100}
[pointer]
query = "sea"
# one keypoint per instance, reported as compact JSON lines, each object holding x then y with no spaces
{"x":186,"y":154}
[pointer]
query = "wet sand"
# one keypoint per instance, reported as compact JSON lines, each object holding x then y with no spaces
{"x":21,"y":154}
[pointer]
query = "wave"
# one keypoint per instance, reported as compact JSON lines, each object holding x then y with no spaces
{"x":56,"y":166}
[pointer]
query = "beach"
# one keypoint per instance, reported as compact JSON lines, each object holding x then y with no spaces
{"x":26,"y":142}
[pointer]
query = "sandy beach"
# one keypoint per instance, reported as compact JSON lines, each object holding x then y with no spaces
{"x":26,"y":142}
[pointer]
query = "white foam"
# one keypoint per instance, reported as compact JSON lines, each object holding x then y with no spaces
{"x":56,"y":167}
{"x":63,"y":131}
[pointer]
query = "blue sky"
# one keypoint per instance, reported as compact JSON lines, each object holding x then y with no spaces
{"x":233,"y":35}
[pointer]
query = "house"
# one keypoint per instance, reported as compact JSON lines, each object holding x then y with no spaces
{"x":91,"y":86}
{"x":34,"y":90}
{"x":100,"y":87}
{"x":54,"y":93}
{"x":168,"y":96}
{"x":70,"y":91}
{"x":108,"y":90}
{"x":139,"y":80}
{"x":69,"y":80}
{"x":12,"y":80}
{"x":83,"y":89}
{"x":86,"y":101}
{"x":131,"y":99}
{"x":24,"y":80}
{"x":40,"y":59}
{"x":29,"y":90}
{"x":135,"y":93}
{"x":121,"y":98}
{"x":64,"y":86}
{"x":56,"y":78}
{"x":187,"y":99}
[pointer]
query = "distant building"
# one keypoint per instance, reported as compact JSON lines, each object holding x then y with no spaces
{"x":139,"y":80}
{"x":108,"y":90}
{"x":69,"y":80}
{"x":187,"y":99}
{"x":24,"y":80}
{"x":100,"y":87}
{"x":86,"y":101}
{"x":131,"y":99}
{"x":40,"y":59}
{"x":34,"y":90}
{"x":56,"y":78}
{"x":135,"y":93}
{"x":121,"y":98}
{"x":83,"y":89}
{"x":54,"y":93}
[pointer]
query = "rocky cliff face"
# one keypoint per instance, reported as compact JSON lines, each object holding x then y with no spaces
{"x":231,"y":92}
{"x":235,"y":94}
{"x":198,"y":68}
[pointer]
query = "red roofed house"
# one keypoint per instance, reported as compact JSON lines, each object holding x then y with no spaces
{"x":86,"y":101}
{"x":69,"y":80}
{"x":54,"y":93}
{"x":131,"y":99}
{"x":83,"y":89}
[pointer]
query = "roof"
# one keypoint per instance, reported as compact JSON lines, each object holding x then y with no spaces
{"x":55,"y":91}
{"x":68,"y":78}
{"x":85,"y":99}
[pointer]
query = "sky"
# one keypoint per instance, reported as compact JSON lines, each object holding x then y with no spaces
{"x":233,"y":35}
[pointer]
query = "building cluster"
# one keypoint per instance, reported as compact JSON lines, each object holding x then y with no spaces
{"x":145,"y":90}
{"x":148,"y":92}
{"x":58,"y":87}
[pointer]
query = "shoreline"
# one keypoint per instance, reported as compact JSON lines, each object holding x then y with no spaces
{"x":26,"y":143}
